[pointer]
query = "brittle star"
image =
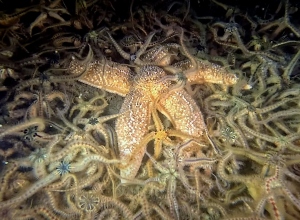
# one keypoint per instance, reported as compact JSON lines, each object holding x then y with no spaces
{"x":150,"y":87}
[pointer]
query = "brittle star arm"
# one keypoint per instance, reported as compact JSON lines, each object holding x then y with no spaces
{"x":133,"y":57}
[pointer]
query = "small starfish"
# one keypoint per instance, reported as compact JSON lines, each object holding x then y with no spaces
{"x":148,"y":89}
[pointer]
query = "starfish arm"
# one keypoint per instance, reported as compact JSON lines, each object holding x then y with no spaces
{"x":211,"y":73}
{"x":131,"y":127}
{"x":206,"y":72}
{"x":134,"y":122}
{"x":161,"y":55}
{"x":183,"y":112}
{"x":108,"y":75}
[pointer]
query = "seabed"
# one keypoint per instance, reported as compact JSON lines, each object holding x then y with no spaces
{"x":149,"y":109}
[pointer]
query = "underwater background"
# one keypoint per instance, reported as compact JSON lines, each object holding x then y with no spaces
{"x":149,"y":109}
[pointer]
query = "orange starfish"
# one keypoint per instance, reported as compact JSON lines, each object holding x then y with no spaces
{"x":142,"y":92}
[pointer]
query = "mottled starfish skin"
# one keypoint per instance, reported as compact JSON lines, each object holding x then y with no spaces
{"x":206,"y":72}
{"x":161,"y":55}
{"x":106,"y":75}
{"x":133,"y":124}
{"x":183,"y":112}
{"x":145,"y":90}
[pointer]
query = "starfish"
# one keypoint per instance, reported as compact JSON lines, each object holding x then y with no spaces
{"x":151,"y":87}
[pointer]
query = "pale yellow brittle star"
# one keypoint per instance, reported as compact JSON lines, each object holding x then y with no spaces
{"x":141,"y":94}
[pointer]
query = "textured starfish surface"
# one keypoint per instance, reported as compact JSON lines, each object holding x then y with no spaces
{"x":151,"y":87}
{"x":107,"y":75}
